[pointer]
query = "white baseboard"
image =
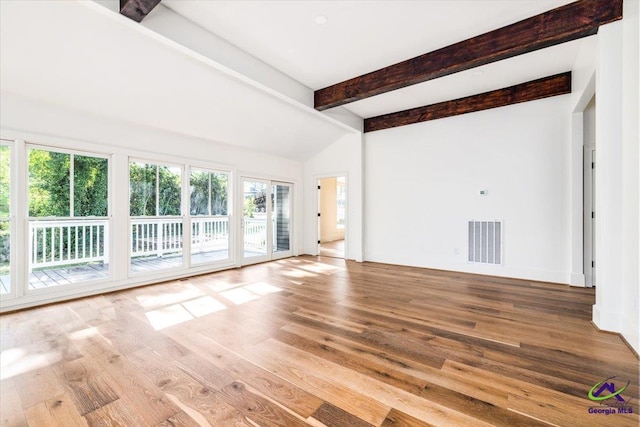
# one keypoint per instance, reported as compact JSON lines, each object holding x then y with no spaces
{"x":577,"y":279}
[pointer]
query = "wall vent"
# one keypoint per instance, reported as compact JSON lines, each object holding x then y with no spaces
{"x":485,"y":242}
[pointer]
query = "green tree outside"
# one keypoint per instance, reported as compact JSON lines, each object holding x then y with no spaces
{"x":5,"y":212}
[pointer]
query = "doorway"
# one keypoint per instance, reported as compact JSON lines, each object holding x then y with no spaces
{"x":332,"y":216}
{"x":266,"y":220}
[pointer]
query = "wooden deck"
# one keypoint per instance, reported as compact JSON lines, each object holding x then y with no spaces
{"x":45,"y":278}
{"x":316,"y":341}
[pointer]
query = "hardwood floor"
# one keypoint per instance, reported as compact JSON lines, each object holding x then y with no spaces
{"x":333,"y":249}
{"x":316,"y":341}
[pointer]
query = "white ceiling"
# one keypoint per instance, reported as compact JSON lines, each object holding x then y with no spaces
{"x":85,"y":57}
{"x":82,"y":56}
{"x":363,"y":36}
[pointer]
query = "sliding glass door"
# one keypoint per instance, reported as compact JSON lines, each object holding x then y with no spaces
{"x":281,"y":219}
{"x":266,"y":220}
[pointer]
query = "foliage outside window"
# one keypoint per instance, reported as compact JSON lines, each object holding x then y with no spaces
{"x":67,"y":185}
{"x":5,"y":209}
{"x":208,"y":193}
{"x":154,"y":190}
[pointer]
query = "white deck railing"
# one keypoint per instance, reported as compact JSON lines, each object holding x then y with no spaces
{"x":209,"y":234}
{"x":67,"y":241}
{"x":156,"y":236}
{"x":255,"y":234}
{"x":164,"y":236}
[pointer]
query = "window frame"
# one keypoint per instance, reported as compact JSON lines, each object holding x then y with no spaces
{"x":230,"y":217}
{"x":13,"y":199}
{"x":31,"y":146}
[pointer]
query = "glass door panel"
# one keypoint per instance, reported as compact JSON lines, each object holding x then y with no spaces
{"x":155,"y":217}
{"x":281,"y":218}
{"x":254,"y":221}
{"x":209,"y":216}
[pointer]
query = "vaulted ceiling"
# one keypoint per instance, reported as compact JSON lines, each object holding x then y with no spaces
{"x":360,"y":37}
{"x":316,"y":43}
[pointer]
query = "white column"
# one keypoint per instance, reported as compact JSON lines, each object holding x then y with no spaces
{"x":630,"y":294}
{"x":120,"y":232}
{"x":576,"y":200}
{"x":609,"y":233}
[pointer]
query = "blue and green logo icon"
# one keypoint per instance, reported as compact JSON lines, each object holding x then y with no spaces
{"x":596,"y":392}
{"x":610,"y":398}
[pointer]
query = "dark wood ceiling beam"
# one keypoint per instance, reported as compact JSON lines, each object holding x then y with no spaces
{"x":137,"y":9}
{"x":546,"y":87}
{"x":570,"y":22}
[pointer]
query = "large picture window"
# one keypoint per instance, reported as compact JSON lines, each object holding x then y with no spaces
{"x":68,"y":218}
{"x":155,"y":193}
{"x":209,"y":210}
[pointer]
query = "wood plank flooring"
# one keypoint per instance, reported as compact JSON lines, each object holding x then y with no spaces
{"x":333,"y":249}
{"x":320,"y":342}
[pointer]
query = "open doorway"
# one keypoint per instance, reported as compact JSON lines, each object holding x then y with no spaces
{"x":332,"y":216}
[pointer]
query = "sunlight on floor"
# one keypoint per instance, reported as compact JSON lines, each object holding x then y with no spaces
{"x":223,"y":286}
{"x":182,"y":309}
{"x":320,"y":268}
{"x":16,"y":361}
{"x":262,"y":288}
{"x":176,"y":294}
{"x":239,"y":296}
{"x":298,"y":274}
{"x":203,"y":306}
{"x":168,"y":316}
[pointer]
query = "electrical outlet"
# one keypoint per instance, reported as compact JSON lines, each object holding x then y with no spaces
{"x":456,"y":251}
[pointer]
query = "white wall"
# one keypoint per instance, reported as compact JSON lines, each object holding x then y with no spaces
{"x":422,"y":185}
{"x":583,"y":88}
{"x":617,"y":177}
{"x":342,"y":158}
{"x":630,"y":327}
{"x":34,"y":122}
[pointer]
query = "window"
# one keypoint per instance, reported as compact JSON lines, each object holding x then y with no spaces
{"x":5,"y":218}
{"x":341,"y":201}
{"x":68,"y":224}
{"x":155,"y":193}
{"x":209,"y":210}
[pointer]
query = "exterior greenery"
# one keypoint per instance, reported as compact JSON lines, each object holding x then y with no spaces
{"x":50,"y":184}
{"x":63,"y":185}
{"x":154,"y":190}
{"x":5,"y":164}
{"x":209,"y":193}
